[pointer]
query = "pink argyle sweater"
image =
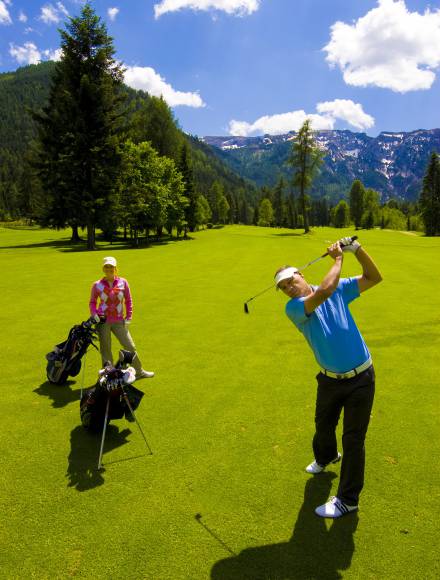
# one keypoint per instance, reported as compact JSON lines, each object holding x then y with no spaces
{"x":108,"y":301}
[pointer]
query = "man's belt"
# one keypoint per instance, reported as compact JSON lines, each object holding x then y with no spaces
{"x":349,"y":374}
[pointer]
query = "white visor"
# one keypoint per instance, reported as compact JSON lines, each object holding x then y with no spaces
{"x":284,"y":275}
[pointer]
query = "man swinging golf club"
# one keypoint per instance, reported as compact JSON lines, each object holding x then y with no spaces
{"x":346,"y":379}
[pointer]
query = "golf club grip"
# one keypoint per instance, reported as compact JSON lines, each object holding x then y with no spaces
{"x":352,"y":239}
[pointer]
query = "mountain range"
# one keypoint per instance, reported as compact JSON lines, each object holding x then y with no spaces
{"x":391,"y":163}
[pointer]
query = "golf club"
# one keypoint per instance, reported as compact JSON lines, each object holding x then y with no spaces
{"x":246,"y":308}
{"x":124,"y":394}
{"x":103,"y":433}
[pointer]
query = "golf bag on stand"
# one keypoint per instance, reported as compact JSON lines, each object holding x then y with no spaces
{"x":113,"y":397}
{"x":65,"y":359}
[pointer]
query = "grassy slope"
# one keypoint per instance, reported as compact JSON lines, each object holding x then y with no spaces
{"x":229,"y":416}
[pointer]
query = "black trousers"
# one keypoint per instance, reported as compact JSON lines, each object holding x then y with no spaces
{"x":355,"y":396}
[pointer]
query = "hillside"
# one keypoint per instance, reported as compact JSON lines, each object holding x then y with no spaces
{"x":27,"y":90}
{"x":391,"y":163}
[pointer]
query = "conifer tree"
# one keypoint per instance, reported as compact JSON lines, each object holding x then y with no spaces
{"x":185,"y":168}
{"x":215,"y":193}
{"x":341,"y":215}
{"x":305,"y":159}
{"x":78,"y":129}
{"x":357,"y":202}
{"x":371,"y":213}
{"x":154,"y":121}
{"x":279,"y":206}
{"x":429,"y":200}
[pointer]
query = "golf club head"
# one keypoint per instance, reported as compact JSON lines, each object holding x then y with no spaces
{"x":246,"y":309}
{"x":126,"y":357}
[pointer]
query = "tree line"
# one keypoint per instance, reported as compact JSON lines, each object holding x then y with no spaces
{"x":278,"y":208}
{"x":108,"y":157}
{"x":362,"y":208}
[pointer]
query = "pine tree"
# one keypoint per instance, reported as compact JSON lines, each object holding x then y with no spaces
{"x":78,"y":130}
{"x":154,"y":121}
{"x":223,"y":208}
{"x":305,"y":159}
{"x":371,"y":213}
{"x":341,"y":215}
{"x":215,"y":193}
{"x":429,"y":200}
{"x":184,"y":166}
{"x":357,"y":202}
{"x":279,"y":206}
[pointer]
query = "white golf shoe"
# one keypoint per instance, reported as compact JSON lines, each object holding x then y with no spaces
{"x":316,"y":467}
{"x":334,"y":508}
{"x":145,"y":375}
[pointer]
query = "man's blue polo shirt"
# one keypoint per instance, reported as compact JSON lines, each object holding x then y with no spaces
{"x":330,"y":330}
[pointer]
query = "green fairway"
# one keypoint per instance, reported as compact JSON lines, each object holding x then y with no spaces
{"x":229,"y":416}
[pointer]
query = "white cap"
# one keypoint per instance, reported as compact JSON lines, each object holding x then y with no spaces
{"x":285,"y":274}
{"x":109,"y":260}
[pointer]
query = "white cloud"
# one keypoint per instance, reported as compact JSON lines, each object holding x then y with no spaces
{"x":236,"y":7}
{"x":26,"y":54}
{"x":389,"y":47}
{"x":51,"y":14}
{"x":5,"y":17}
{"x":22,"y":16}
{"x":30,"y":54}
{"x":277,"y":124}
{"x":62,"y":9}
{"x":54,"y":54}
{"x":348,"y":111}
{"x":328,"y":113}
{"x":149,"y":80}
{"x":112,"y":13}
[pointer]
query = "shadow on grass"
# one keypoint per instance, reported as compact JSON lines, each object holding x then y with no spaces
{"x":82,"y":470}
{"x":61,"y":395}
{"x":271,"y":235}
{"x":290,"y":235}
{"x":313,"y":552}
{"x":69,"y":247}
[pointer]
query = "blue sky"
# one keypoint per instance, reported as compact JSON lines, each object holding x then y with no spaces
{"x":249,"y":67}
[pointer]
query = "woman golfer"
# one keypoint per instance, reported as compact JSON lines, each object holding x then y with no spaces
{"x":346,"y":379}
{"x":109,"y":297}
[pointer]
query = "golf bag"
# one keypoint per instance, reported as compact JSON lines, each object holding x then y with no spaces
{"x":65,"y":359}
{"x":109,"y":395}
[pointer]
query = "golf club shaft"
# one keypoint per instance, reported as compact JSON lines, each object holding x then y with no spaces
{"x":82,"y":375}
{"x":259,"y":294}
{"x":312,"y":262}
{"x":137,"y":422}
{"x":352,"y":239}
{"x":103,"y":432}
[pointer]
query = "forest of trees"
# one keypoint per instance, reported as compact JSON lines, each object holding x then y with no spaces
{"x":88,"y":152}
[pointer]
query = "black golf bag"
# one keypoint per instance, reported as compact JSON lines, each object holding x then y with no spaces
{"x":65,"y":359}
{"x":110,"y":394}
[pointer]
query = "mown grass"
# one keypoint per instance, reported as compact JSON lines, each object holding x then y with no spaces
{"x":229,"y":416}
